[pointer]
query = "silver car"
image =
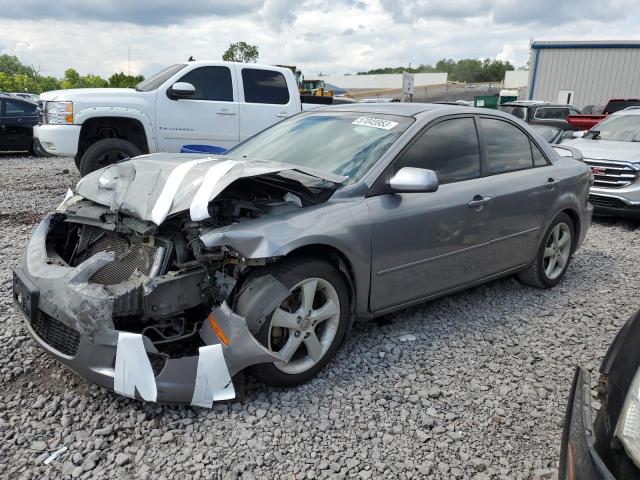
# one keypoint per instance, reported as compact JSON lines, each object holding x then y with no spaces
{"x":164,"y":276}
{"x":612,"y":150}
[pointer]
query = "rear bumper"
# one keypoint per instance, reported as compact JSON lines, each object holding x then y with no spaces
{"x":578,"y":457}
{"x":59,"y":140}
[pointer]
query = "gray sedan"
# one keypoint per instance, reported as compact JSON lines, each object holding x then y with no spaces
{"x":164,"y":276}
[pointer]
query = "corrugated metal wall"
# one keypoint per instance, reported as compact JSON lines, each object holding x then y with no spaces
{"x":594,"y":74}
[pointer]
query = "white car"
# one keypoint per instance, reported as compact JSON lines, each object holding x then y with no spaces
{"x":612,"y":150}
{"x":203,"y":103}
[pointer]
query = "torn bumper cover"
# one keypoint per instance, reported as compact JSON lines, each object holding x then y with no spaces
{"x":72,"y":319}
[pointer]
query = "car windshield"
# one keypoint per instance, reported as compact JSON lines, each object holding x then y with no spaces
{"x":159,"y":78}
{"x":620,"y":128}
{"x":546,"y":132}
{"x":343,"y":143}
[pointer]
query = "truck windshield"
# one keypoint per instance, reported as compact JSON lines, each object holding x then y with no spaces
{"x":621,"y":128}
{"x":159,"y":78}
{"x":344,"y":143}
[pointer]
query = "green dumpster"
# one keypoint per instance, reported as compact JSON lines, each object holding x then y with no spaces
{"x":486,"y":101}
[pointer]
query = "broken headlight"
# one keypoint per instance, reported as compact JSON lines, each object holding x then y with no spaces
{"x":628,"y":427}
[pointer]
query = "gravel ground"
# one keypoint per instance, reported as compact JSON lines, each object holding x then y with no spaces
{"x":470,"y":386}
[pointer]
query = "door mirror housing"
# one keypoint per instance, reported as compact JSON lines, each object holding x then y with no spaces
{"x":181,"y":90}
{"x":411,"y":179}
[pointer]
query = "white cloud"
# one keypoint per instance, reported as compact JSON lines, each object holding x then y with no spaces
{"x":341,"y":36}
{"x":507,"y":54}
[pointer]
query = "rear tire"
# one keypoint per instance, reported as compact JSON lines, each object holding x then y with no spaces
{"x":106,"y":152}
{"x":553,"y":255}
{"x":323,"y":330}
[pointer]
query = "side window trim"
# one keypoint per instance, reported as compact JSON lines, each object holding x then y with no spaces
{"x":536,"y":116}
{"x":532,"y":144}
{"x":483,"y":151}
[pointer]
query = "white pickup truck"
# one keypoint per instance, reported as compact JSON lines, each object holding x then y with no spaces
{"x":204,"y":103}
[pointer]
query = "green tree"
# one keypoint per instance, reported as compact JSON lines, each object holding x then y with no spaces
{"x":464,"y":70}
{"x":122,"y":80}
{"x":93,"y":81}
{"x":71,"y":79}
{"x":11,"y":65}
{"x":241,"y":52}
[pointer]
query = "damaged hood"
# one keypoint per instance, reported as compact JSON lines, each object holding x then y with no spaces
{"x":153,"y":187}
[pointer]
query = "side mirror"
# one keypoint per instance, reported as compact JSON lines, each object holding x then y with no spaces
{"x":579,"y":133}
{"x":181,"y":90}
{"x":411,"y":179}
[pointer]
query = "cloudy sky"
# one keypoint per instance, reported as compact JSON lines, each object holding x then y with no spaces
{"x":331,"y":37}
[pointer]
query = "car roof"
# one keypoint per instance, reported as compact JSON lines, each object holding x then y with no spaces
{"x":396,"y":108}
{"x":526,"y":103}
{"x":628,"y":111}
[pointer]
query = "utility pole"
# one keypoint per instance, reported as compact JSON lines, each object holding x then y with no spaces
{"x":129,"y":62}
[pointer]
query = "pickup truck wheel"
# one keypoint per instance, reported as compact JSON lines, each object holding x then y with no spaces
{"x":106,"y":152}
{"x":309,"y":326}
{"x":553,"y":256}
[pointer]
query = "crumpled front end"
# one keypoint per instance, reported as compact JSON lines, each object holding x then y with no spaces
{"x":129,"y":307}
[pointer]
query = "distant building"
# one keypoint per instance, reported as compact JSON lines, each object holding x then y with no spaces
{"x":385,"y":80}
{"x":584,"y":73}
{"x":516,"y":79}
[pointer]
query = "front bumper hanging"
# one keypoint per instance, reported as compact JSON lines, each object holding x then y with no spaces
{"x":71,"y":318}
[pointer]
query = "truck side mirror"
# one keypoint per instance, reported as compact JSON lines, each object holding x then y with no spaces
{"x":181,"y":90}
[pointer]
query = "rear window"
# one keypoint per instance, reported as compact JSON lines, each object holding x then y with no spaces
{"x":515,"y":110}
{"x":551,"y":113}
{"x":617,"y":105}
{"x":264,"y":86}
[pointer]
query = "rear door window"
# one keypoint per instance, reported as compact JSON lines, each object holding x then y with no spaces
{"x":508,"y":148}
{"x":449,"y":148}
{"x":211,"y":83}
{"x":264,"y":86}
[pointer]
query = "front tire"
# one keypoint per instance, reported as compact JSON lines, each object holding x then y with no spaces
{"x":553,"y":255}
{"x":106,"y":152}
{"x":309,"y":326}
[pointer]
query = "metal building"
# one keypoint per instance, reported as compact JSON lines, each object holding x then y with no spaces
{"x":584,"y":73}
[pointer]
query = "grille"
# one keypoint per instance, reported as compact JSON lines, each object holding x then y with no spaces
{"x":599,"y":201}
{"x":129,"y":258}
{"x":611,"y":174}
{"x":55,"y":333}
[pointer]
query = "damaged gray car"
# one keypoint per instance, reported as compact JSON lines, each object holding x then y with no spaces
{"x":164,"y":276}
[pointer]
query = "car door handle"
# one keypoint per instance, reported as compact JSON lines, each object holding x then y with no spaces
{"x":478,"y":202}
{"x":282,"y":115}
{"x":551,"y":183}
{"x":226,"y":111}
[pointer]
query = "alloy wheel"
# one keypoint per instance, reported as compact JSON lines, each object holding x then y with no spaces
{"x":303,"y":328}
{"x":557,"y":251}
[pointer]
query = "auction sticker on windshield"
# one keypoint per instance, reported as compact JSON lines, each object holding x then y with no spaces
{"x":374,"y":122}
